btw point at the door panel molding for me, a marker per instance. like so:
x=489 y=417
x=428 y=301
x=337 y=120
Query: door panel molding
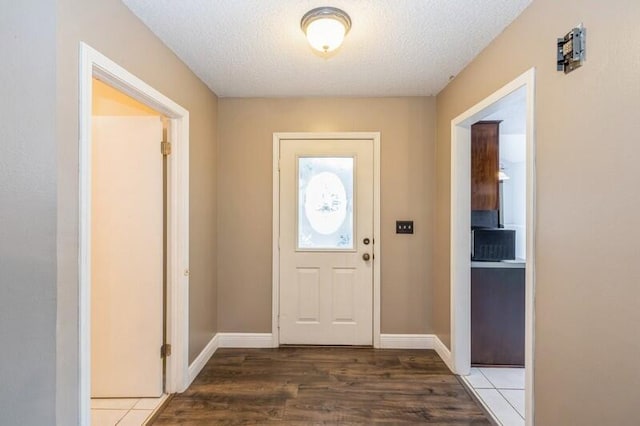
x=374 y=138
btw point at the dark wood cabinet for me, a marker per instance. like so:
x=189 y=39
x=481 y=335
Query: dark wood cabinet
x=497 y=316
x=485 y=158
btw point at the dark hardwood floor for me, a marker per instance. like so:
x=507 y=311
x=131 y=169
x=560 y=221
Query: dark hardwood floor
x=323 y=385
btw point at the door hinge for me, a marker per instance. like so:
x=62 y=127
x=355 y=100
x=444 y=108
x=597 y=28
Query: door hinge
x=165 y=350
x=165 y=148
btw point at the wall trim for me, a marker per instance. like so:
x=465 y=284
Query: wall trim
x=407 y=341
x=201 y=360
x=265 y=340
x=417 y=341
x=226 y=340
x=246 y=340
x=443 y=352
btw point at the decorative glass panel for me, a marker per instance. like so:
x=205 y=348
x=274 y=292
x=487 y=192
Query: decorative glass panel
x=325 y=203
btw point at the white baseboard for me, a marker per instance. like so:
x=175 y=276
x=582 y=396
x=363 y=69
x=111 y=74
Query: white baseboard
x=227 y=340
x=443 y=352
x=417 y=341
x=246 y=340
x=201 y=360
x=265 y=340
x=406 y=341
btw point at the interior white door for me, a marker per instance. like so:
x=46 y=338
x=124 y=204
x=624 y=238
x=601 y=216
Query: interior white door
x=126 y=257
x=326 y=242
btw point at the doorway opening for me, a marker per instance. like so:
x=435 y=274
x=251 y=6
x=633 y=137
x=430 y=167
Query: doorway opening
x=334 y=240
x=95 y=66
x=520 y=89
x=128 y=257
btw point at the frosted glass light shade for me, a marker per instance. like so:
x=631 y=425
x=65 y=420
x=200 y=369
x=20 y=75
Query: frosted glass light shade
x=325 y=35
x=325 y=28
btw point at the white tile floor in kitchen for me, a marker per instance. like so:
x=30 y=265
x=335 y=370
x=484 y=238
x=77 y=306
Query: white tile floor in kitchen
x=501 y=391
x=123 y=411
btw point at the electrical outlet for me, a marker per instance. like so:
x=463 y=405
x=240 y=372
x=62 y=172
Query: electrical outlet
x=404 y=227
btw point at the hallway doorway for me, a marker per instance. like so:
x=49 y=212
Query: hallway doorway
x=127 y=247
x=460 y=267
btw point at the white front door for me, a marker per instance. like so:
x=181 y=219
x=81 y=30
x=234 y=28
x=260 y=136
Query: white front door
x=126 y=257
x=326 y=242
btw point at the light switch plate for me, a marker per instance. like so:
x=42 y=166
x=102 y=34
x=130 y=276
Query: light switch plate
x=404 y=227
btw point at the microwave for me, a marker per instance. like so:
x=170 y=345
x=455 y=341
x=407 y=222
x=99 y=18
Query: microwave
x=493 y=244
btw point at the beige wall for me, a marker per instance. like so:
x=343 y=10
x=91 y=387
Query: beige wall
x=588 y=151
x=109 y=27
x=246 y=128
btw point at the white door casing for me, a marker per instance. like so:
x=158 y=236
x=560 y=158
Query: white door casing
x=127 y=257
x=460 y=266
x=326 y=285
x=93 y=64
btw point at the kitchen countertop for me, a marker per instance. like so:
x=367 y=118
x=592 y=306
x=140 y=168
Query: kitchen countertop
x=518 y=263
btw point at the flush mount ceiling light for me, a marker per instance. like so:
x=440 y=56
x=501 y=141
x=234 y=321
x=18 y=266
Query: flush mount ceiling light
x=325 y=28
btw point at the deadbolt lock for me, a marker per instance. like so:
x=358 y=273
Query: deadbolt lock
x=366 y=241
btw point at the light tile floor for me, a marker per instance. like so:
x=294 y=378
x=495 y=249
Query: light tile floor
x=502 y=392
x=123 y=411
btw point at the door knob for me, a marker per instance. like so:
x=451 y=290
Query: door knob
x=366 y=256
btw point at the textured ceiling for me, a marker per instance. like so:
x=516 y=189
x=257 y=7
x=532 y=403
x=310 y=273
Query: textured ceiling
x=255 y=48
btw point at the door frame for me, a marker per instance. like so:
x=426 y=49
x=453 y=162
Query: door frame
x=374 y=137
x=460 y=265
x=94 y=64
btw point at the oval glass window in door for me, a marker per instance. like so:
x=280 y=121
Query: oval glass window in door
x=325 y=203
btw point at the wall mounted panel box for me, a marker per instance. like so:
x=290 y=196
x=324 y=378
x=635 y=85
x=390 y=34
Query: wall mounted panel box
x=572 y=50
